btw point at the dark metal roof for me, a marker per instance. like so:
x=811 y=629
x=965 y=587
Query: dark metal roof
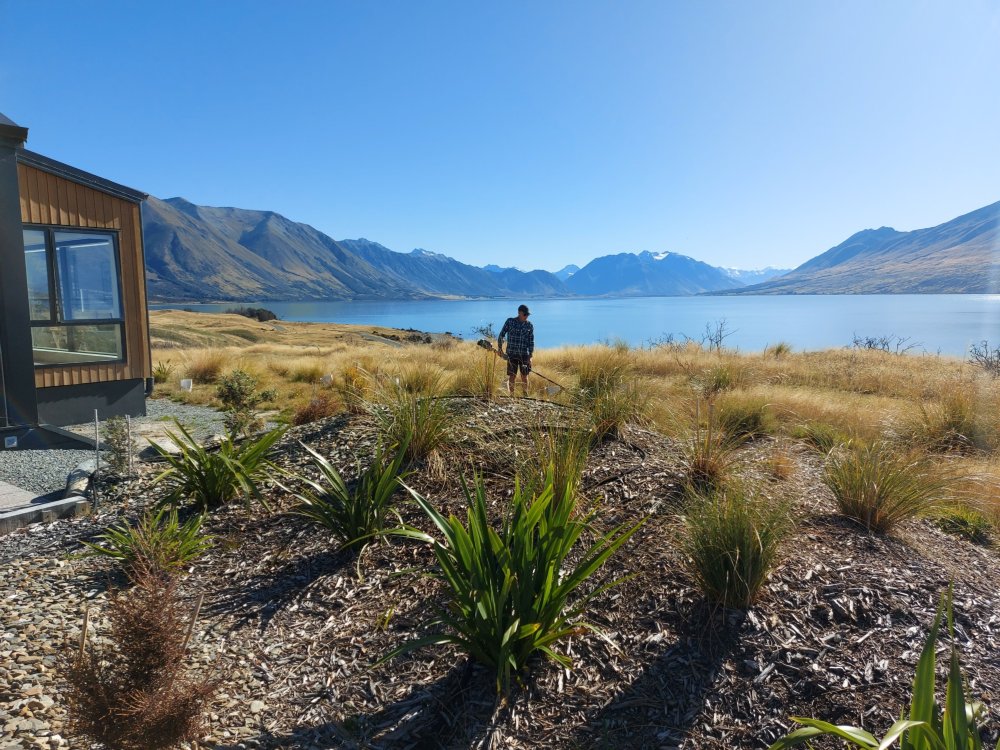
x=73 y=174
x=11 y=130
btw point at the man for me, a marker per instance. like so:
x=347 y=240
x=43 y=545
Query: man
x=520 y=335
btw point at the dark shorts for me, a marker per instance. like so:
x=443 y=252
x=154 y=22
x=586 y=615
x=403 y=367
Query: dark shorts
x=517 y=363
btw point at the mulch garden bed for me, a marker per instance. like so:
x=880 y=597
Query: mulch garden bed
x=297 y=629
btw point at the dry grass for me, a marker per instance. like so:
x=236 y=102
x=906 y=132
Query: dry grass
x=940 y=405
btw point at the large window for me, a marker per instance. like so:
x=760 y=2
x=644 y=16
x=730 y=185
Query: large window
x=74 y=296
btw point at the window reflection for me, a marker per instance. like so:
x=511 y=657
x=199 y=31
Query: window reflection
x=88 y=276
x=37 y=267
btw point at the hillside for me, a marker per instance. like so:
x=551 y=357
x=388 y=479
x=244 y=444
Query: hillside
x=958 y=257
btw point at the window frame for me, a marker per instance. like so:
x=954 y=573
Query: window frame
x=56 y=319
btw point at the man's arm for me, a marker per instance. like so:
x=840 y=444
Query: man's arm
x=531 y=340
x=503 y=333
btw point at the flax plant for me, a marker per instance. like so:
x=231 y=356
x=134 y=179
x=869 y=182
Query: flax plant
x=212 y=478
x=880 y=487
x=930 y=726
x=158 y=539
x=514 y=591
x=357 y=512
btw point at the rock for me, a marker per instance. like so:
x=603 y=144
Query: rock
x=256 y=707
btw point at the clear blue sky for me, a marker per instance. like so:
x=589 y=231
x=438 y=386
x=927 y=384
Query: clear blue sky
x=532 y=134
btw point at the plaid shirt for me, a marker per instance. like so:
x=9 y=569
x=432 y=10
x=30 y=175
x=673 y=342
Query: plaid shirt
x=520 y=338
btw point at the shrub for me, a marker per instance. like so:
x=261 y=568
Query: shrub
x=206 y=366
x=745 y=417
x=880 y=487
x=731 y=541
x=120 y=444
x=509 y=590
x=133 y=692
x=239 y=395
x=211 y=478
x=609 y=393
x=930 y=726
x=357 y=512
x=319 y=407
x=891 y=344
x=260 y=314
x=162 y=371
x=420 y=423
x=982 y=356
x=158 y=540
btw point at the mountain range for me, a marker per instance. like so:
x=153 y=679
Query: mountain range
x=222 y=254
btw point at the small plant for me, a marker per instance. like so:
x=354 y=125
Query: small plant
x=355 y=386
x=133 y=692
x=723 y=376
x=239 y=395
x=420 y=423
x=780 y=463
x=745 y=418
x=982 y=356
x=509 y=590
x=158 y=540
x=319 y=407
x=708 y=453
x=779 y=350
x=609 y=393
x=965 y=522
x=880 y=487
x=162 y=371
x=353 y=513
x=820 y=436
x=206 y=366
x=732 y=541
x=212 y=478
x=561 y=452
x=930 y=726
x=951 y=424
x=309 y=373
x=120 y=444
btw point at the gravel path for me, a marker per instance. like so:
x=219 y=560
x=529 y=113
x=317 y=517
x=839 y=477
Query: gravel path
x=44 y=471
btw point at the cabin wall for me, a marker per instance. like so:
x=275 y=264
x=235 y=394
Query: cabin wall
x=55 y=201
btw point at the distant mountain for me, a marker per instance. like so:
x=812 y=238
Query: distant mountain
x=206 y=253
x=566 y=271
x=648 y=274
x=755 y=276
x=438 y=275
x=959 y=256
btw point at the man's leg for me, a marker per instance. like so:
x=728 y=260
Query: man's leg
x=524 y=382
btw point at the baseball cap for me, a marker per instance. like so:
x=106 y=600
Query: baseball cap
x=524 y=309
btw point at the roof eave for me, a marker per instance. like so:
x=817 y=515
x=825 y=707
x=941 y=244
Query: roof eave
x=44 y=163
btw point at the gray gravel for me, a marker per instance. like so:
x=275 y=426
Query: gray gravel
x=44 y=471
x=40 y=471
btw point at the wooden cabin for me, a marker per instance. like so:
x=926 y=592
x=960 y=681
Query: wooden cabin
x=74 y=333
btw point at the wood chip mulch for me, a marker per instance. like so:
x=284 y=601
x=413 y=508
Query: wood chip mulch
x=296 y=629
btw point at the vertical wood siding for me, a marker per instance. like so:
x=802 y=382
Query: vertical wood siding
x=48 y=199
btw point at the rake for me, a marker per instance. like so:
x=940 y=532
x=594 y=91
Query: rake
x=488 y=345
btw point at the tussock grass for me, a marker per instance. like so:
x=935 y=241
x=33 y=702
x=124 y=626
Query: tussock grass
x=745 y=416
x=708 y=453
x=206 y=366
x=880 y=487
x=732 y=542
x=421 y=424
x=559 y=455
x=953 y=423
x=609 y=391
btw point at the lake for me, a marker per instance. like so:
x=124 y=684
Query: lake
x=945 y=323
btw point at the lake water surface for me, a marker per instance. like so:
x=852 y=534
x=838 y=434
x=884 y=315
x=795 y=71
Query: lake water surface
x=945 y=323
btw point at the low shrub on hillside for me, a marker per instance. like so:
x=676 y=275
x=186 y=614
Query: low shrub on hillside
x=354 y=513
x=514 y=591
x=133 y=691
x=211 y=478
x=260 y=314
x=880 y=487
x=955 y=725
x=158 y=540
x=732 y=542
x=986 y=358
